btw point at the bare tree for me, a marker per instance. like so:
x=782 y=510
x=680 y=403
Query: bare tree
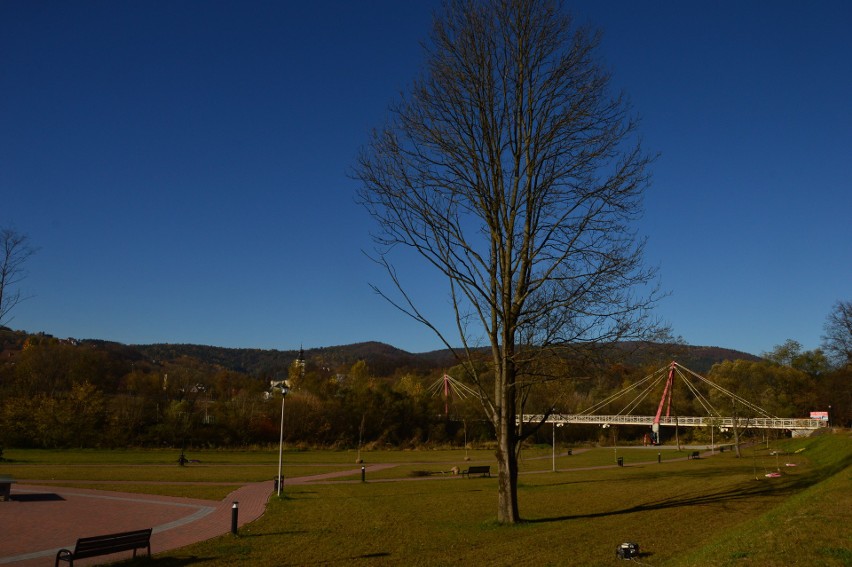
x=16 y=250
x=837 y=340
x=512 y=171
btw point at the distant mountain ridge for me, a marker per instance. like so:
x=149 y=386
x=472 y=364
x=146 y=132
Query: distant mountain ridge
x=381 y=358
x=384 y=359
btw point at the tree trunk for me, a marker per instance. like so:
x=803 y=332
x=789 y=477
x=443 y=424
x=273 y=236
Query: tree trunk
x=507 y=441
x=677 y=433
x=507 y=480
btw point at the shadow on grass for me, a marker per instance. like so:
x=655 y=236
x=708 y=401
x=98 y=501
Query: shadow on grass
x=529 y=486
x=649 y=473
x=165 y=561
x=463 y=490
x=292 y=495
x=714 y=498
x=194 y=560
x=273 y=534
x=746 y=491
x=372 y=555
x=643 y=474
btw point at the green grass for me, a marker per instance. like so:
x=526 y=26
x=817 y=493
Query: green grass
x=681 y=513
x=714 y=511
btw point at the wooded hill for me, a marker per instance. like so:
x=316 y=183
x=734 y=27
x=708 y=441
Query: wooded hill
x=383 y=360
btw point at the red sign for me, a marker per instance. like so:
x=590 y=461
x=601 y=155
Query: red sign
x=823 y=415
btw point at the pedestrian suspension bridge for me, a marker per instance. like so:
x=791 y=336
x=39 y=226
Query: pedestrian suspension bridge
x=749 y=415
x=755 y=417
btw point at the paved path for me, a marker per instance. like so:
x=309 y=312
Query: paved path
x=42 y=519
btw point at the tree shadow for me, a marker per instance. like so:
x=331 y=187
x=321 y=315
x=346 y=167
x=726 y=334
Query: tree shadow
x=274 y=534
x=292 y=495
x=651 y=473
x=372 y=555
x=746 y=491
x=561 y=483
x=165 y=561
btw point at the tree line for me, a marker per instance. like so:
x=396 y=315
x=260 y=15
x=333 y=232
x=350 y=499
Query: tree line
x=64 y=394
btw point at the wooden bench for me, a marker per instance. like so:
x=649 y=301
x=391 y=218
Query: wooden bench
x=105 y=545
x=694 y=455
x=484 y=470
x=6 y=488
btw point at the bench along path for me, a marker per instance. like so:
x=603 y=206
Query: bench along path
x=41 y=519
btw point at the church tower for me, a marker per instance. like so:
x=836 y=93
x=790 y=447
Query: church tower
x=299 y=363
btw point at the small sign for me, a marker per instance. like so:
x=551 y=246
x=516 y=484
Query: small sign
x=823 y=415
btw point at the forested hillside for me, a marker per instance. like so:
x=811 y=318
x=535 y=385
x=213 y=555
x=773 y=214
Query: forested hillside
x=385 y=360
x=88 y=393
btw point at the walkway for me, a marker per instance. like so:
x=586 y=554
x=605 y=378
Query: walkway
x=41 y=519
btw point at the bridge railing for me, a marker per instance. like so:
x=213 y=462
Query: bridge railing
x=684 y=421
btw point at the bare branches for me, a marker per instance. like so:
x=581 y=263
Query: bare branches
x=837 y=340
x=514 y=172
x=511 y=170
x=15 y=250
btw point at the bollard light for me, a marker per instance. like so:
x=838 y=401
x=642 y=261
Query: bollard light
x=235 y=510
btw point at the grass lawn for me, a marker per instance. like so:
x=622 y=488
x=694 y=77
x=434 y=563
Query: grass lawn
x=714 y=511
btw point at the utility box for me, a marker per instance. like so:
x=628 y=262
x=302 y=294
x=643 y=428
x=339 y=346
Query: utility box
x=627 y=550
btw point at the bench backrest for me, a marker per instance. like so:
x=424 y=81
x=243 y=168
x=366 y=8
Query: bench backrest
x=112 y=543
x=479 y=469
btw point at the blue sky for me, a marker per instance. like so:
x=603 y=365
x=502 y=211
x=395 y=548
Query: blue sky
x=182 y=166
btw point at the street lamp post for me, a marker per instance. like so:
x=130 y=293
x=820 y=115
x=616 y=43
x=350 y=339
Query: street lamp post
x=284 y=391
x=555 y=425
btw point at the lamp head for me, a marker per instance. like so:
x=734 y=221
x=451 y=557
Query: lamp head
x=283 y=386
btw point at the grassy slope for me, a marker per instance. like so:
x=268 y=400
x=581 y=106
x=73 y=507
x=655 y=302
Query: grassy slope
x=708 y=512
x=812 y=527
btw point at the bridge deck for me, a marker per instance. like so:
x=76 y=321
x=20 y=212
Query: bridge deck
x=683 y=421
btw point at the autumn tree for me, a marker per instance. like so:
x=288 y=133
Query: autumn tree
x=784 y=354
x=791 y=353
x=15 y=250
x=513 y=171
x=780 y=389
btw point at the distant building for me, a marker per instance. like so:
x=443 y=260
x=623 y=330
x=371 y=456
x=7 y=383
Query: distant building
x=299 y=363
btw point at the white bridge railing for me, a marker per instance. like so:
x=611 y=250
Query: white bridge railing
x=753 y=422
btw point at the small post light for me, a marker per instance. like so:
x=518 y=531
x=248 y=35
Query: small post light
x=235 y=511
